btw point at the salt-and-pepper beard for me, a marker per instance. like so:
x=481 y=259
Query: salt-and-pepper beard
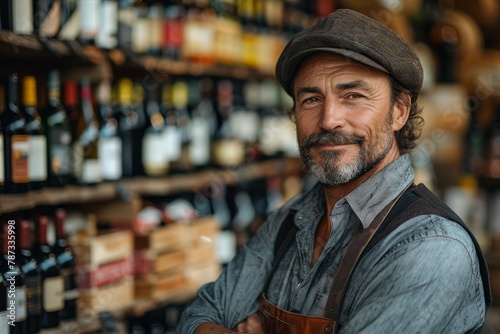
x=328 y=172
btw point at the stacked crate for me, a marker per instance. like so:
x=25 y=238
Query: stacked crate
x=175 y=259
x=104 y=271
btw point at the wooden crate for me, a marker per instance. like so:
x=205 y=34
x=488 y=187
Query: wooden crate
x=101 y=249
x=159 y=287
x=91 y=277
x=199 y=253
x=170 y=237
x=151 y=261
x=111 y=297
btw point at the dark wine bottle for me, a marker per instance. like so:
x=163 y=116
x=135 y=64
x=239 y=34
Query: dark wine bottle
x=2 y=145
x=66 y=260
x=131 y=122
x=52 y=281
x=4 y=321
x=32 y=278
x=16 y=140
x=57 y=130
x=16 y=289
x=153 y=158
x=37 y=164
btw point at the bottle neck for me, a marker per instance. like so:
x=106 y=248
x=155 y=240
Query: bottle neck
x=25 y=234
x=43 y=223
x=60 y=217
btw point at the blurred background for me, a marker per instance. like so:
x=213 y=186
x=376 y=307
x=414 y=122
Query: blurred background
x=144 y=141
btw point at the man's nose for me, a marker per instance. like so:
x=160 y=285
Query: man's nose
x=332 y=115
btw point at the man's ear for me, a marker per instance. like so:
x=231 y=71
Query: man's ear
x=401 y=112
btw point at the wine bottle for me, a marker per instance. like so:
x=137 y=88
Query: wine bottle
x=153 y=154
x=6 y=15
x=110 y=143
x=70 y=21
x=37 y=163
x=180 y=98
x=52 y=281
x=2 y=153
x=203 y=126
x=173 y=27
x=32 y=278
x=131 y=122
x=47 y=17
x=107 y=35
x=16 y=289
x=86 y=167
x=172 y=136
x=57 y=131
x=89 y=11
x=4 y=321
x=16 y=141
x=126 y=21
x=66 y=260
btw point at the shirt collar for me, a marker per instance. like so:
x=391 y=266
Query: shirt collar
x=368 y=199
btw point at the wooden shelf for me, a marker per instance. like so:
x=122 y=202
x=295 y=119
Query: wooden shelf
x=167 y=185
x=32 y=50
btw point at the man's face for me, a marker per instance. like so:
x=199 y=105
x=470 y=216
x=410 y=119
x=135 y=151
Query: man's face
x=343 y=113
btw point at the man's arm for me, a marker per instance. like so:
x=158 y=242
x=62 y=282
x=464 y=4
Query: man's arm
x=233 y=297
x=252 y=325
x=208 y=328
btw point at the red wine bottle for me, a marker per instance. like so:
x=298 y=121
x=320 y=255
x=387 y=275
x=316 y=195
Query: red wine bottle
x=4 y=324
x=52 y=281
x=32 y=278
x=66 y=260
x=16 y=289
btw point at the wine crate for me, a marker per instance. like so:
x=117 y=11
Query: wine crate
x=91 y=277
x=170 y=237
x=101 y=249
x=111 y=297
x=199 y=253
x=160 y=286
x=151 y=261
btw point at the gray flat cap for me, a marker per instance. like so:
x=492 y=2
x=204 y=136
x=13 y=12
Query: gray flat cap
x=356 y=36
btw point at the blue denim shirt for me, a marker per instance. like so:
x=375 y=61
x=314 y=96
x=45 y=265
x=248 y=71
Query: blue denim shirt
x=422 y=278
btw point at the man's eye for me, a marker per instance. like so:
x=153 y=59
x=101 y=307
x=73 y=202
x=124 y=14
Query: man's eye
x=355 y=96
x=311 y=100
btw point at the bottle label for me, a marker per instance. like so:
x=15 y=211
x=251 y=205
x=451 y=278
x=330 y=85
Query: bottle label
x=199 y=150
x=108 y=25
x=59 y=141
x=53 y=292
x=22 y=15
x=91 y=171
x=2 y=171
x=89 y=14
x=18 y=299
x=70 y=290
x=153 y=152
x=33 y=294
x=172 y=143
x=110 y=157
x=19 y=158
x=4 y=324
x=37 y=164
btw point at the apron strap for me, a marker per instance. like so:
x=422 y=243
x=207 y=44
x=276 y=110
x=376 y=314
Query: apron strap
x=350 y=258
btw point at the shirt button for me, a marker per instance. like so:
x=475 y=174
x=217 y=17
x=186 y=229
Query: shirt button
x=328 y=329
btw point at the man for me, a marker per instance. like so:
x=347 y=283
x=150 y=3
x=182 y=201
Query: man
x=407 y=263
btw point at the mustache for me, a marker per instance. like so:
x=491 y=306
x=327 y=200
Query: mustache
x=332 y=138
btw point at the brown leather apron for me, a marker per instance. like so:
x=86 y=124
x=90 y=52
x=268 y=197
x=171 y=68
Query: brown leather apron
x=278 y=321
